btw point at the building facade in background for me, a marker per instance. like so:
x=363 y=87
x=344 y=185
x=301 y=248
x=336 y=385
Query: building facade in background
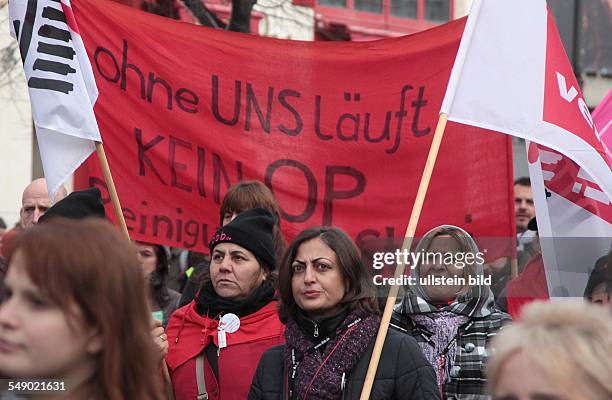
x=16 y=146
x=377 y=19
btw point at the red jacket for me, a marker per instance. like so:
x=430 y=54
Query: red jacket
x=189 y=333
x=529 y=286
x=8 y=236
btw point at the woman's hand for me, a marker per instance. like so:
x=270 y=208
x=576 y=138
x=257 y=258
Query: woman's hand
x=160 y=338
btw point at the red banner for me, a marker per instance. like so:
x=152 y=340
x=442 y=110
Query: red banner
x=339 y=131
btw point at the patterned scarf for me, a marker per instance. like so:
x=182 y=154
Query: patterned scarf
x=477 y=302
x=443 y=326
x=443 y=322
x=338 y=357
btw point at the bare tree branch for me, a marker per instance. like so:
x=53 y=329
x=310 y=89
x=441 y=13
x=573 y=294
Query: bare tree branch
x=240 y=20
x=202 y=14
x=9 y=57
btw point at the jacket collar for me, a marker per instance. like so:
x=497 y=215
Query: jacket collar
x=319 y=329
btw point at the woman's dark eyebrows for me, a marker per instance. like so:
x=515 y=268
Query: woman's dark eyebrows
x=314 y=260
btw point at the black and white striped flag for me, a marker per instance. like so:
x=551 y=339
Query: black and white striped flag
x=61 y=84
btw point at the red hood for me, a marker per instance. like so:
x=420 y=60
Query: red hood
x=189 y=333
x=530 y=285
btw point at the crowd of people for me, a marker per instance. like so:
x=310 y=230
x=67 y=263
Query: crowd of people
x=94 y=314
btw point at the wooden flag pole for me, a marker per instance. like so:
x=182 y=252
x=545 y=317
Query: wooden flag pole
x=514 y=268
x=399 y=271
x=108 y=178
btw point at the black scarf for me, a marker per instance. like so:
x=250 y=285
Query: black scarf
x=210 y=303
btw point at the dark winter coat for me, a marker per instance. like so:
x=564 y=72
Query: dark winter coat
x=171 y=306
x=403 y=373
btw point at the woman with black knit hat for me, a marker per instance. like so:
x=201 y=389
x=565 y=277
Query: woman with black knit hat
x=216 y=340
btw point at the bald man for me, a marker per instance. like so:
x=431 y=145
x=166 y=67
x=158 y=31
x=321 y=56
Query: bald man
x=35 y=202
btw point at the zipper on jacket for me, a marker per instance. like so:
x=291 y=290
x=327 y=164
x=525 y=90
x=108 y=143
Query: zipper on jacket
x=316 y=330
x=343 y=386
x=286 y=385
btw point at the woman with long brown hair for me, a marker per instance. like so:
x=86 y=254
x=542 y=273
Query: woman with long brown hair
x=77 y=312
x=329 y=305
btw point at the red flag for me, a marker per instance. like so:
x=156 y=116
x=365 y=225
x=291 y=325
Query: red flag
x=339 y=131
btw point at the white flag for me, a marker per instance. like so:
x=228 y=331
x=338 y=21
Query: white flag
x=60 y=82
x=574 y=220
x=512 y=75
x=574 y=216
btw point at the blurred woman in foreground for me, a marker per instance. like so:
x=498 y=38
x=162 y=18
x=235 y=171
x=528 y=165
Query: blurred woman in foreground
x=77 y=312
x=558 y=351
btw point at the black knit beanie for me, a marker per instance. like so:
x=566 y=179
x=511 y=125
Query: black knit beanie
x=77 y=205
x=251 y=229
